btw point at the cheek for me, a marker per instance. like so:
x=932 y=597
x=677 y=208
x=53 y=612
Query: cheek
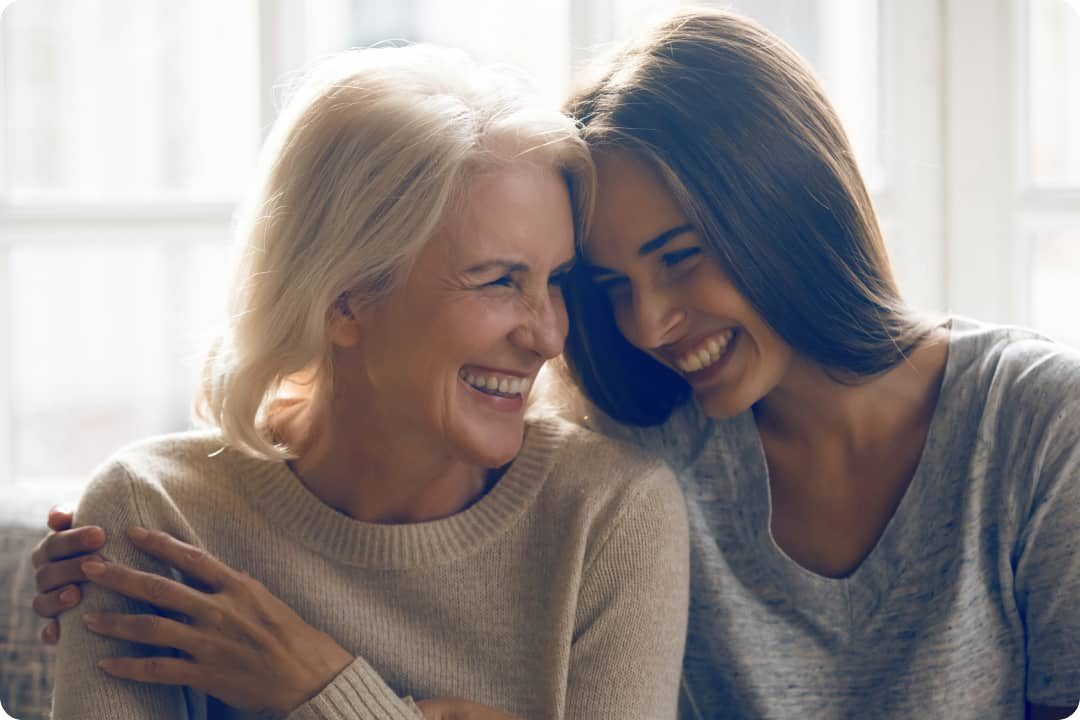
x=624 y=320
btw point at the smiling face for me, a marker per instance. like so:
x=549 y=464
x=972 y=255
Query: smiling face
x=670 y=296
x=449 y=355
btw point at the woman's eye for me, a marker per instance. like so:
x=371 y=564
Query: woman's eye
x=614 y=288
x=504 y=281
x=671 y=259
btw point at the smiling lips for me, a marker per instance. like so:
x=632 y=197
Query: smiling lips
x=497 y=384
x=707 y=352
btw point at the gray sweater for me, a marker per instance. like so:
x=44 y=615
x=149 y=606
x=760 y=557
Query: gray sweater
x=968 y=606
x=562 y=593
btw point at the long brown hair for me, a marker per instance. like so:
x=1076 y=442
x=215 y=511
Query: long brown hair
x=738 y=127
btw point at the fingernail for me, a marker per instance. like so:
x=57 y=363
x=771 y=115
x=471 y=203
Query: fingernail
x=106 y=665
x=49 y=634
x=90 y=618
x=137 y=533
x=93 y=568
x=68 y=595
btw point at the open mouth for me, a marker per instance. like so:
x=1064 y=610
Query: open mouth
x=708 y=353
x=496 y=385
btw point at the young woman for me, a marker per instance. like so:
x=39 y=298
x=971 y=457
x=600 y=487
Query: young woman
x=405 y=532
x=884 y=507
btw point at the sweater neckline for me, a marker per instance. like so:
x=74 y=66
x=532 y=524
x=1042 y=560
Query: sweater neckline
x=887 y=560
x=291 y=507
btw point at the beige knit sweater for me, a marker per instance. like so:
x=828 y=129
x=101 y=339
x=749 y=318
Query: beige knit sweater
x=562 y=593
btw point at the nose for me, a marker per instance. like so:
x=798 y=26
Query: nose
x=544 y=329
x=654 y=319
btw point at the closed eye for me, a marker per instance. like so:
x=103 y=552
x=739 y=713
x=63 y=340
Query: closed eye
x=670 y=259
x=504 y=281
x=613 y=285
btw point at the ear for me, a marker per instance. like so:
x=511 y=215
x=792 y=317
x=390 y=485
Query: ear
x=343 y=328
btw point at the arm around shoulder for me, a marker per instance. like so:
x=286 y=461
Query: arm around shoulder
x=81 y=689
x=630 y=629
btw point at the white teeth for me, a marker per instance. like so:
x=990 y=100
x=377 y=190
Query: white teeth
x=501 y=384
x=707 y=354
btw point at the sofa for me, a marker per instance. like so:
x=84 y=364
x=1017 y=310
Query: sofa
x=26 y=664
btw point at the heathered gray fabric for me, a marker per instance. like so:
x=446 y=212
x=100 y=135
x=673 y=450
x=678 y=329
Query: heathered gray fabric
x=969 y=603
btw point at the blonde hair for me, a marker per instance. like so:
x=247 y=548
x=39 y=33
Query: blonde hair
x=372 y=151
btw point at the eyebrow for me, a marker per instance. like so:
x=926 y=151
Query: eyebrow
x=648 y=247
x=513 y=266
x=663 y=239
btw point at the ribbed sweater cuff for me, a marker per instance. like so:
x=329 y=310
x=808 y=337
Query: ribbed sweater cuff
x=357 y=693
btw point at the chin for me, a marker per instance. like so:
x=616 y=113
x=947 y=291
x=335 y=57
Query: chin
x=493 y=447
x=720 y=405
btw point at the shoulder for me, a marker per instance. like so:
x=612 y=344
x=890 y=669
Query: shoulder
x=159 y=472
x=1015 y=371
x=599 y=462
x=1019 y=392
x=999 y=354
x=602 y=481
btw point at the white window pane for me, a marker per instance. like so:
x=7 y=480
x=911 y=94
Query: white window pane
x=839 y=38
x=130 y=99
x=1054 y=91
x=1055 y=290
x=106 y=341
x=534 y=37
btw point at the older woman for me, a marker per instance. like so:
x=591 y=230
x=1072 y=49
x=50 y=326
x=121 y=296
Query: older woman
x=402 y=529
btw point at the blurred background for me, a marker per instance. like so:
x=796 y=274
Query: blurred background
x=129 y=129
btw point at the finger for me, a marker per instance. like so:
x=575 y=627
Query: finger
x=158 y=670
x=147 y=630
x=49 y=605
x=59 y=518
x=155 y=589
x=192 y=561
x=68 y=543
x=53 y=575
x=50 y=634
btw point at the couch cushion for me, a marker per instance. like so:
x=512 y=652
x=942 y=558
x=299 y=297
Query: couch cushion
x=25 y=663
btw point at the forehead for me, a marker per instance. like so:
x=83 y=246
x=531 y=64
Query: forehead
x=633 y=206
x=520 y=208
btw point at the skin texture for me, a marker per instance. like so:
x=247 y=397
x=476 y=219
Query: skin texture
x=483 y=297
x=403 y=438
x=243 y=645
x=665 y=302
x=670 y=299
x=822 y=438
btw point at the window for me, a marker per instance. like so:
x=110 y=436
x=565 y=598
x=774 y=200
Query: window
x=129 y=129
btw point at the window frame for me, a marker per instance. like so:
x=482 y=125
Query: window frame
x=944 y=107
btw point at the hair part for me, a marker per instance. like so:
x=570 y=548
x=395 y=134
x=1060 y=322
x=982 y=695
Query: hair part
x=740 y=131
x=374 y=148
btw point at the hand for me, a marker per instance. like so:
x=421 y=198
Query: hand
x=58 y=562
x=458 y=709
x=242 y=645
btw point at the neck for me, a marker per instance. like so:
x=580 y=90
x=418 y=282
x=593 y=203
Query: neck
x=811 y=408
x=367 y=471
